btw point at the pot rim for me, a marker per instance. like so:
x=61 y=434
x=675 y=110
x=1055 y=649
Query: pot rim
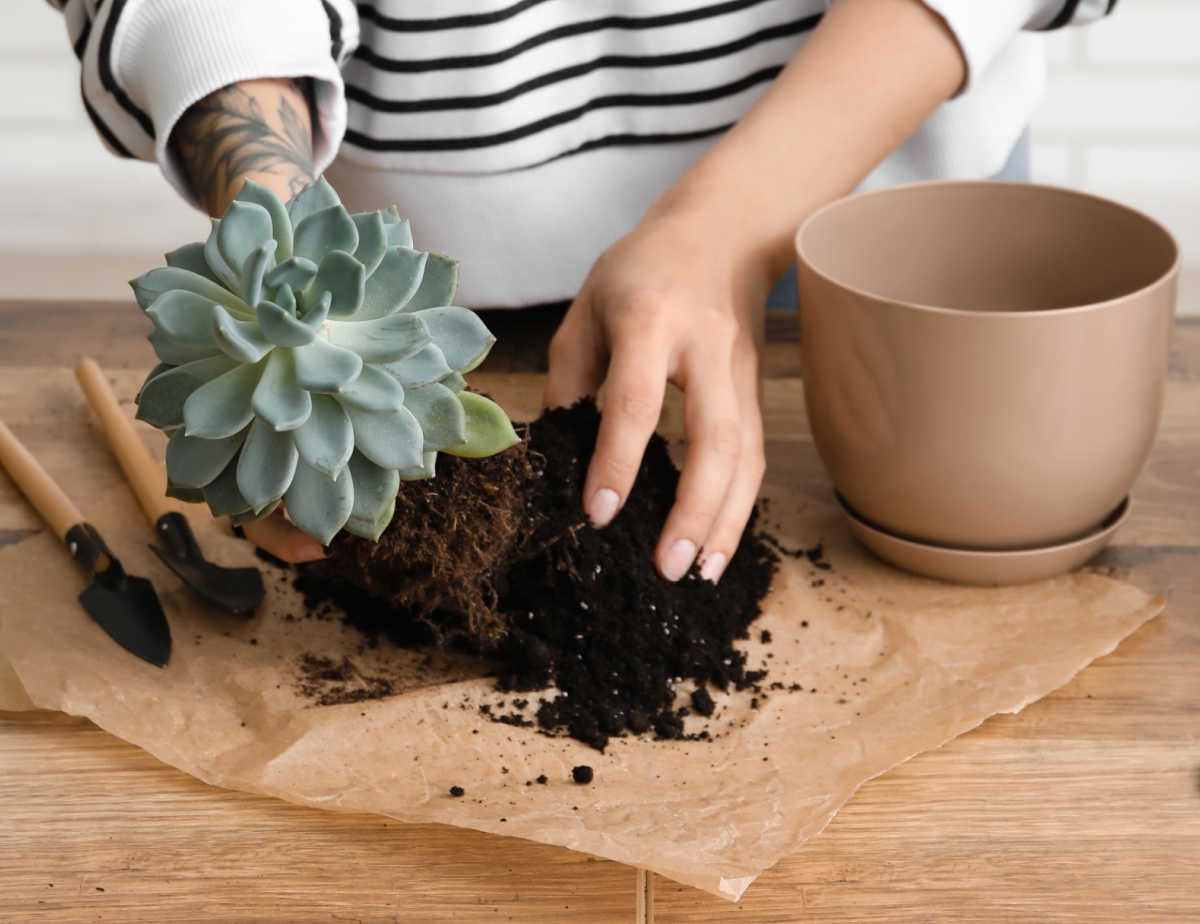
x=1171 y=271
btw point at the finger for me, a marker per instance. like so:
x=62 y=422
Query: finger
x=276 y=535
x=726 y=531
x=714 y=433
x=576 y=358
x=633 y=397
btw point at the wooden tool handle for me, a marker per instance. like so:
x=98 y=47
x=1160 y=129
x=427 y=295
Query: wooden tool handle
x=46 y=496
x=145 y=476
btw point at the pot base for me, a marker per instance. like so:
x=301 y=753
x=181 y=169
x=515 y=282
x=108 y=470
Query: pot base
x=974 y=566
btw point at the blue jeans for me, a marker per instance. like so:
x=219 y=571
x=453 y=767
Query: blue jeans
x=1016 y=168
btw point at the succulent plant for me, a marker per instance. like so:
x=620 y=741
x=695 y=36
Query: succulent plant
x=311 y=357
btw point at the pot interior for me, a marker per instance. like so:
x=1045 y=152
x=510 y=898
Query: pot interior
x=986 y=246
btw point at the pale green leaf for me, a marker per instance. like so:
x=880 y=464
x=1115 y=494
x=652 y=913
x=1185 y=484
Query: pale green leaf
x=389 y=440
x=372 y=240
x=193 y=462
x=374 y=497
x=221 y=408
x=244 y=228
x=184 y=317
x=440 y=414
x=384 y=340
x=161 y=399
x=317 y=505
x=315 y=197
x=257 y=265
x=331 y=229
x=266 y=464
x=426 y=365
x=374 y=390
x=241 y=340
x=326 y=439
x=393 y=283
x=176 y=353
x=342 y=277
x=325 y=367
x=281 y=224
x=278 y=398
x=439 y=283
x=222 y=494
x=460 y=334
x=489 y=430
x=190 y=257
x=294 y=271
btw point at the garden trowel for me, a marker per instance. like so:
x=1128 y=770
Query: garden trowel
x=124 y=606
x=237 y=590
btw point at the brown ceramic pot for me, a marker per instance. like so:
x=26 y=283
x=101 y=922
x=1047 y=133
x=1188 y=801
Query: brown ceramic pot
x=984 y=362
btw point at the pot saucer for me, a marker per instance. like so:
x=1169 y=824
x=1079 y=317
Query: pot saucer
x=976 y=566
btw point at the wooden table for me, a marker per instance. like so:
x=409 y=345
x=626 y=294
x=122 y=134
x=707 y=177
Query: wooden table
x=1084 y=807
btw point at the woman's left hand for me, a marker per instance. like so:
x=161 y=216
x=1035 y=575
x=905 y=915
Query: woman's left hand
x=669 y=303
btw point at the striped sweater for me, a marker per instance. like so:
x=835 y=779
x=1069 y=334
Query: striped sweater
x=524 y=136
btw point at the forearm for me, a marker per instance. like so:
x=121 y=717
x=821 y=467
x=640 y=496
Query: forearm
x=869 y=75
x=256 y=129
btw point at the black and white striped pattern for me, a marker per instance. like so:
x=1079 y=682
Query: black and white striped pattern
x=492 y=85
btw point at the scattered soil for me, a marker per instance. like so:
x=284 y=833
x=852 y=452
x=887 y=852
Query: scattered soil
x=582 y=774
x=582 y=613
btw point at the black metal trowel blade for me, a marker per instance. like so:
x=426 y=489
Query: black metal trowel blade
x=123 y=605
x=238 y=590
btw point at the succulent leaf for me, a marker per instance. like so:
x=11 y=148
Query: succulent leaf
x=374 y=390
x=212 y=256
x=222 y=494
x=330 y=229
x=221 y=407
x=489 y=430
x=440 y=414
x=160 y=402
x=313 y=198
x=257 y=265
x=392 y=284
x=281 y=224
x=426 y=365
x=240 y=340
x=454 y=382
x=318 y=505
x=278 y=398
x=372 y=240
x=193 y=462
x=266 y=464
x=389 y=440
x=375 y=491
x=191 y=257
x=281 y=327
x=326 y=439
x=249 y=516
x=324 y=367
x=399 y=232
x=187 y=495
x=384 y=340
x=342 y=277
x=286 y=299
x=439 y=283
x=184 y=316
x=149 y=286
x=296 y=272
x=419 y=472
x=461 y=335
x=244 y=228
x=176 y=352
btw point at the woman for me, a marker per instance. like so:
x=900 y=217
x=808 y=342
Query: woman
x=647 y=159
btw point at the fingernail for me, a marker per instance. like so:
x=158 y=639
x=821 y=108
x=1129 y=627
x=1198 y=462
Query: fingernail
x=678 y=559
x=603 y=507
x=713 y=567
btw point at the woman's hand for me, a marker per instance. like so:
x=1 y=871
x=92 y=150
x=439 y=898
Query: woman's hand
x=670 y=303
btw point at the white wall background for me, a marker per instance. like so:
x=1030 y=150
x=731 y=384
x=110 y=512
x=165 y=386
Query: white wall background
x=1121 y=118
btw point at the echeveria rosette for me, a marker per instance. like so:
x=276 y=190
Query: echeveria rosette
x=311 y=357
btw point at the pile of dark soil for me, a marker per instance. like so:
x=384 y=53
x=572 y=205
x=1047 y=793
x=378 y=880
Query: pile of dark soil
x=583 y=610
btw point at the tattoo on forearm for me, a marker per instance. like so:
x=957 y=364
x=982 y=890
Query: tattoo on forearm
x=227 y=135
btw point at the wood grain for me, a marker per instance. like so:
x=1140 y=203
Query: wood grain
x=1084 y=807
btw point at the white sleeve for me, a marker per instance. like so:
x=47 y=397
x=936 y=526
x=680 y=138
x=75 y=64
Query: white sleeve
x=983 y=28
x=144 y=62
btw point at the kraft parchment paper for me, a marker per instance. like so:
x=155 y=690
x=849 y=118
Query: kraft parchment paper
x=899 y=665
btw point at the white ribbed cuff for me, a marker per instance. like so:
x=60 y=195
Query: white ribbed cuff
x=168 y=54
